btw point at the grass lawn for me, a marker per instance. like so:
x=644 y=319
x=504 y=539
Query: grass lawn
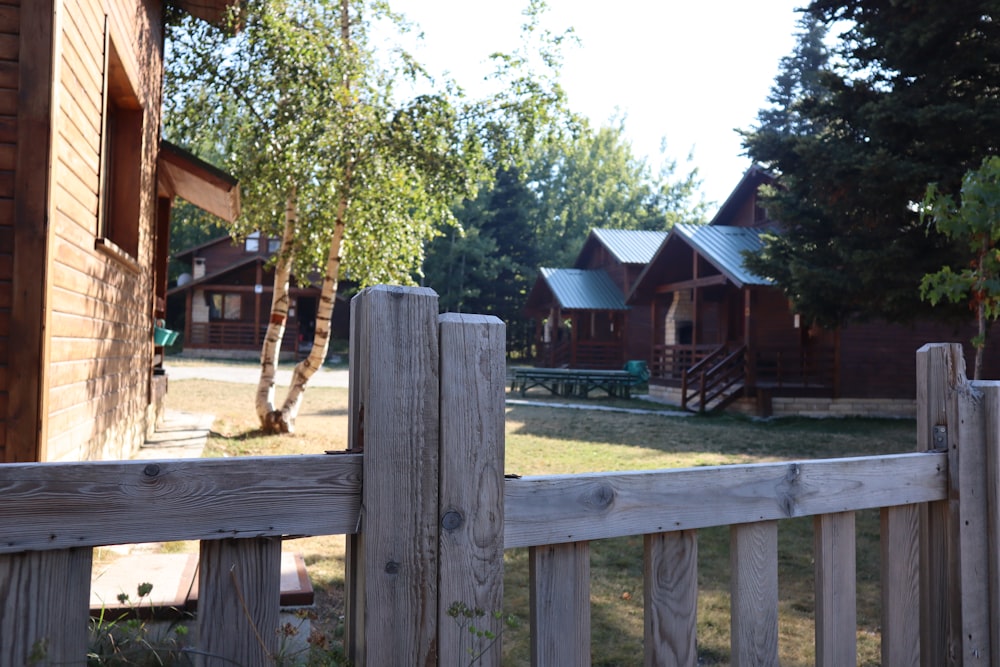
x=544 y=440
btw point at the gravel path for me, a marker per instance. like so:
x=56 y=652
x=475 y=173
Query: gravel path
x=249 y=374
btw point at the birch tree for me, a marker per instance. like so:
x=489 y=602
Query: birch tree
x=353 y=181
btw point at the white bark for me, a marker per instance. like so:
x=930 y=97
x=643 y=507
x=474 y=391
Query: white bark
x=270 y=418
x=321 y=338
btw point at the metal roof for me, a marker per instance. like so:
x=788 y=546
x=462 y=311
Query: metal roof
x=630 y=246
x=724 y=246
x=581 y=289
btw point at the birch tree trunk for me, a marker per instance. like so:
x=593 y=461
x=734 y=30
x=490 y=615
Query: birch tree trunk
x=321 y=338
x=270 y=419
x=977 y=372
x=328 y=293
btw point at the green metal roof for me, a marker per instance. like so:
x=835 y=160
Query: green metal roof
x=630 y=246
x=580 y=289
x=724 y=247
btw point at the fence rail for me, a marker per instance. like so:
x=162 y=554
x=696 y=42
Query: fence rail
x=426 y=434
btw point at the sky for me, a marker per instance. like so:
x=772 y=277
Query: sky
x=683 y=74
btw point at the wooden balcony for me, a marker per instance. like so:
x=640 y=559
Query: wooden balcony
x=226 y=335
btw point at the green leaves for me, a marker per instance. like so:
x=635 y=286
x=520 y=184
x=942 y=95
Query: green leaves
x=974 y=225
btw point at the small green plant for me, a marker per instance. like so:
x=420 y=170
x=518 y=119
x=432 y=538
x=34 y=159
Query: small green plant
x=128 y=639
x=320 y=650
x=470 y=621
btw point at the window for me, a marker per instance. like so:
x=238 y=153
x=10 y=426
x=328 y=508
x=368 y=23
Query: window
x=121 y=163
x=252 y=244
x=273 y=246
x=224 y=306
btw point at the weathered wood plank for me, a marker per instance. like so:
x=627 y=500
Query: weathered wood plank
x=939 y=367
x=394 y=559
x=836 y=590
x=900 y=546
x=559 y=577
x=991 y=404
x=46 y=598
x=32 y=127
x=967 y=463
x=239 y=589
x=473 y=375
x=753 y=558
x=670 y=598
x=48 y=507
x=568 y=508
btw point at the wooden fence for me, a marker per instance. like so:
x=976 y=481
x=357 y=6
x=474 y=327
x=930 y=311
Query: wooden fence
x=430 y=523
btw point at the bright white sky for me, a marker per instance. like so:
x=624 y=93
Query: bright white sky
x=681 y=71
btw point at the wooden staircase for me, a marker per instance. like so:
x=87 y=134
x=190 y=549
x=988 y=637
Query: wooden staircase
x=715 y=381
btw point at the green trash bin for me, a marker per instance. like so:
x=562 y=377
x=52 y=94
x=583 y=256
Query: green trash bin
x=638 y=369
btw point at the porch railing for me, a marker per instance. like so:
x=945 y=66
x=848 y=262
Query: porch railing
x=237 y=335
x=430 y=439
x=669 y=362
x=777 y=368
x=715 y=380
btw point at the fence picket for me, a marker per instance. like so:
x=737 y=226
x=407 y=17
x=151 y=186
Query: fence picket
x=670 y=598
x=937 y=366
x=836 y=595
x=239 y=589
x=46 y=597
x=753 y=557
x=560 y=604
x=392 y=564
x=967 y=465
x=473 y=376
x=991 y=405
x=900 y=546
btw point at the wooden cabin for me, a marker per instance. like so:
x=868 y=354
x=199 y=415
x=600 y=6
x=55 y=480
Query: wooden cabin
x=226 y=296
x=722 y=335
x=581 y=318
x=85 y=194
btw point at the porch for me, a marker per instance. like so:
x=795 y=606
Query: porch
x=710 y=377
x=236 y=335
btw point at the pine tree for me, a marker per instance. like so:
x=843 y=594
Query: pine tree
x=909 y=99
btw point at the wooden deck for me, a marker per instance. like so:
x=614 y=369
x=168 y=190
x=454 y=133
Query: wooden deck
x=574 y=381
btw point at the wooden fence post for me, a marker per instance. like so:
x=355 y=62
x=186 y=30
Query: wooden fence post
x=836 y=590
x=955 y=567
x=473 y=379
x=936 y=368
x=670 y=598
x=753 y=556
x=560 y=604
x=46 y=598
x=392 y=563
x=239 y=591
x=991 y=402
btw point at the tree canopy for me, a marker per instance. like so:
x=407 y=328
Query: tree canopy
x=906 y=97
x=540 y=212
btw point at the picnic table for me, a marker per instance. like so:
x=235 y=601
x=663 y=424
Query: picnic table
x=574 y=381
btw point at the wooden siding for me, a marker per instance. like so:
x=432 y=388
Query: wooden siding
x=878 y=359
x=99 y=308
x=25 y=91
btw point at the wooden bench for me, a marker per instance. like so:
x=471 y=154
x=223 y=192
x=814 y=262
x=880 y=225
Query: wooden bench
x=573 y=381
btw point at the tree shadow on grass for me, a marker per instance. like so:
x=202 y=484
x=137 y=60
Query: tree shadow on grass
x=780 y=438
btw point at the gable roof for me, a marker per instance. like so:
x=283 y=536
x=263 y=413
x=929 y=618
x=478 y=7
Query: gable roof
x=581 y=289
x=723 y=247
x=751 y=180
x=628 y=246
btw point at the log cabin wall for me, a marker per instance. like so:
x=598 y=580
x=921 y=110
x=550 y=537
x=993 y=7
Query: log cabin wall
x=105 y=130
x=10 y=74
x=876 y=356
